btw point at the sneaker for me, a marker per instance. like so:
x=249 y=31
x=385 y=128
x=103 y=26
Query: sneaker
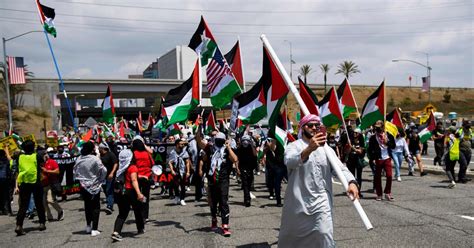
x=389 y=197
x=141 y=231
x=424 y=173
x=252 y=196
x=225 y=230
x=452 y=185
x=271 y=197
x=182 y=202
x=378 y=198
x=108 y=211
x=42 y=227
x=279 y=205
x=410 y=173
x=176 y=200
x=234 y=177
x=19 y=231
x=61 y=215
x=88 y=229
x=247 y=204
x=258 y=174
x=188 y=188
x=214 y=225
x=95 y=233
x=115 y=236
x=399 y=179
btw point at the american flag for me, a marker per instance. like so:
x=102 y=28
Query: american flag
x=16 y=70
x=216 y=70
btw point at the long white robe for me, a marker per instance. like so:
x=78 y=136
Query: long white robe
x=307 y=220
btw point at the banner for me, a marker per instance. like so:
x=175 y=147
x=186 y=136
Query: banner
x=10 y=143
x=66 y=176
x=234 y=115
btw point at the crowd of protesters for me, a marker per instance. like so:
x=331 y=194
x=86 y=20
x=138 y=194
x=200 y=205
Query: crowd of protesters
x=208 y=162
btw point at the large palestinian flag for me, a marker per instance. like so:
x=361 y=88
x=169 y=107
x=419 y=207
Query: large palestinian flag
x=221 y=83
x=275 y=89
x=309 y=98
x=374 y=108
x=47 y=15
x=234 y=59
x=330 y=112
x=181 y=100
x=425 y=130
x=108 y=109
x=346 y=99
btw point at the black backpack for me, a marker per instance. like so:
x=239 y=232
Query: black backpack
x=119 y=184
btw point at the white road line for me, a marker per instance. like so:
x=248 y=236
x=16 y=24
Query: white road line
x=466 y=217
x=431 y=159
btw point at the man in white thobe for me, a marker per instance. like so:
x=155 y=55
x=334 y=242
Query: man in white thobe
x=307 y=218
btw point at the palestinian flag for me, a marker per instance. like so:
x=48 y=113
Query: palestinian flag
x=47 y=15
x=203 y=42
x=346 y=99
x=394 y=117
x=374 y=108
x=108 y=109
x=252 y=105
x=86 y=137
x=183 y=99
x=140 y=122
x=425 y=130
x=281 y=136
x=309 y=98
x=330 y=112
x=234 y=59
x=210 y=123
x=274 y=87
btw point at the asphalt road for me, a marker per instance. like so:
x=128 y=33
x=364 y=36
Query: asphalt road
x=425 y=213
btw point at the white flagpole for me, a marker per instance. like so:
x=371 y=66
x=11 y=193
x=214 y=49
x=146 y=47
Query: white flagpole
x=353 y=98
x=336 y=164
x=241 y=64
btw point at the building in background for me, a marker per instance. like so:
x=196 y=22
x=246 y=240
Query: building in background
x=151 y=71
x=177 y=63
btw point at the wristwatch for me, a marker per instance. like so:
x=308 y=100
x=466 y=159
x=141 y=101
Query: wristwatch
x=354 y=182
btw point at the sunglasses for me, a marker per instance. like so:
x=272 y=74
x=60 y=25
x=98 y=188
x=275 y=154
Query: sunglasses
x=311 y=125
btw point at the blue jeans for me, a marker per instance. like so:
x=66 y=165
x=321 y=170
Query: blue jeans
x=397 y=162
x=109 y=193
x=31 y=205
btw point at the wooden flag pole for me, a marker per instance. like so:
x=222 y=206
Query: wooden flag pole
x=336 y=164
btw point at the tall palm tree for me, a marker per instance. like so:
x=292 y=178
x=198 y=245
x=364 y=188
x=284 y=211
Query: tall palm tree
x=325 y=69
x=347 y=68
x=305 y=70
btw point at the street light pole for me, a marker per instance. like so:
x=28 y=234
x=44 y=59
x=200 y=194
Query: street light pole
x=428 y=68
x=7 y=87
x=7 y=79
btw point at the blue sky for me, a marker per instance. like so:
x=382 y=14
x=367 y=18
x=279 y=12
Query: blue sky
x=114 y=38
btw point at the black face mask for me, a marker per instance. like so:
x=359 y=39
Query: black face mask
x=378 y=129
x=219 y=142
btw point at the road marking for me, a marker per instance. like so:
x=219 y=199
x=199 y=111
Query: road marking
x=431 y=159
x=466 y=217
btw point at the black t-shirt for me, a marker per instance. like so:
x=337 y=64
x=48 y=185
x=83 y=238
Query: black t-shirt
x=273 y=160
x=108 y=160
x=440 y=134
x=247 y=160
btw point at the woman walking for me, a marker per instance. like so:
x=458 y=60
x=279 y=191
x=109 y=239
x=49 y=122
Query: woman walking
x=401 y=148
x=51 y=182
x=91 y=173
x=144 y=162
x=130 y=195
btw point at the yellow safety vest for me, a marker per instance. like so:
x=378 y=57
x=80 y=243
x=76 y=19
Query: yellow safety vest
x=27 y=168
x=454 y=150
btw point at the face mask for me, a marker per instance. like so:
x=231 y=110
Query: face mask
x=219 y=142
x=378 y=129
x=245 y=143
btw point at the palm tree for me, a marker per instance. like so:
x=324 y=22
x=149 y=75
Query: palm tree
x=305 y=70
x=325 y=69
x=347 y=68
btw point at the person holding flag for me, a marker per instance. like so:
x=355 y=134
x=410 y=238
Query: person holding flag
x=222 y=157
x=307 y=214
